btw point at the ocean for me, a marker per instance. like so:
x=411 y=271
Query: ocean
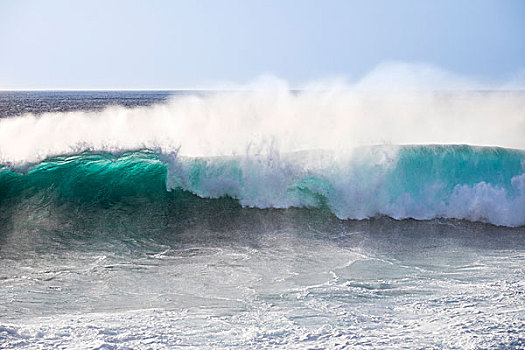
x=262 y=219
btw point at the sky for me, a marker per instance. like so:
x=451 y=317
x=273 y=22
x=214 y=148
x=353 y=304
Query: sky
x=163 y=44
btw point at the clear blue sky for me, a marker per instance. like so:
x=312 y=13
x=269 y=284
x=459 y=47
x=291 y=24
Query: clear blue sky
x=187 y=44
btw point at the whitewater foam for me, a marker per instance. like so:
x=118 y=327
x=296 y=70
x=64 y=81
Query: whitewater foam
x=424 y=182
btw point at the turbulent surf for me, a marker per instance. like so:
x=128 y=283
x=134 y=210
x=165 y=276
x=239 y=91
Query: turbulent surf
x=327 y=218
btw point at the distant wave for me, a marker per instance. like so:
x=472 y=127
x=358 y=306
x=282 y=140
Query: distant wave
x=484 y=184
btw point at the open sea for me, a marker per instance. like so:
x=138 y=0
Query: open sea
x=255 y=220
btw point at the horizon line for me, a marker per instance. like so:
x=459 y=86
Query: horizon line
x=487 y=89
x=109 y=89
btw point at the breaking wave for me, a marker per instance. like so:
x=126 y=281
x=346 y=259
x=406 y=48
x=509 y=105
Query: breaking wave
x=439 y=154
x=484 y=184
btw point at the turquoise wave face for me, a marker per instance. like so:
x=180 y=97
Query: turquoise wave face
x=453 y=165
x=89 y=178
x=422 y=182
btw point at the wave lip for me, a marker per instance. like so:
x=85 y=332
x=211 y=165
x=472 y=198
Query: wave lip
x=484 y=184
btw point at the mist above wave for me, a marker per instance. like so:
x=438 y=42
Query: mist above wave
x=400 y=104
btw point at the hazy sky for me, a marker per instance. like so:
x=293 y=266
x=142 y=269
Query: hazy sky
x=190 y=44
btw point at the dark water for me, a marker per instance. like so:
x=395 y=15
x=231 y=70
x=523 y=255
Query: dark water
x=20 y=102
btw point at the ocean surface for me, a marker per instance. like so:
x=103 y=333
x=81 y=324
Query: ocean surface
x=262 y=219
